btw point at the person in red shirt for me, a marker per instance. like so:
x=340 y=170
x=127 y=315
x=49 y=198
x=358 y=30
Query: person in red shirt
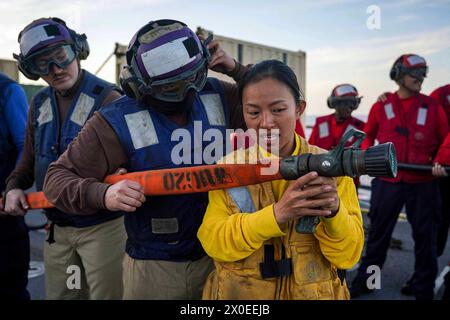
x=442 y=95
x=328 y=130
x=416 y=124
x=299 y=128
x=443 y=158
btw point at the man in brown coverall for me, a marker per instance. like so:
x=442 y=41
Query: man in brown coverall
x=164 y=258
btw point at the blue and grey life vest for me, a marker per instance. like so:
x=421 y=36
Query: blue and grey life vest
x=51 y=137
x=8 y=152
x=165 y=227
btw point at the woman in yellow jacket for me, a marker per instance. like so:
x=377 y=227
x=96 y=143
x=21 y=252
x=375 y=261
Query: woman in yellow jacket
x=250 y=231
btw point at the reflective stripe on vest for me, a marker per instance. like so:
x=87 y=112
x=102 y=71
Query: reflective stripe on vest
x=82 y=109
x=389 y=110
x=141 y=128
x=269 y=268
x=413 y=132
x=45 y=112
x=165 y=227
x=422 y=116
x=52 y=136
x=324 y=130
x=241 y=197
x=214 y=109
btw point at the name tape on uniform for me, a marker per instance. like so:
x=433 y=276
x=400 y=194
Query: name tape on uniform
x=389 y=110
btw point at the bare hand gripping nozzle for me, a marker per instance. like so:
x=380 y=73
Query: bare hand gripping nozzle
x=376 y=161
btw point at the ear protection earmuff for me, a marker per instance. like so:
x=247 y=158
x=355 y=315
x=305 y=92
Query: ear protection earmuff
x=329 y=104
x=130 y=83
x=396 y=70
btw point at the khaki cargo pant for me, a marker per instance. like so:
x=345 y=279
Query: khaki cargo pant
x=164 y=280
x=95 y=253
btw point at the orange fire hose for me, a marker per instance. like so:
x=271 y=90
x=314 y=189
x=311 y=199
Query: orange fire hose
x=185 y=180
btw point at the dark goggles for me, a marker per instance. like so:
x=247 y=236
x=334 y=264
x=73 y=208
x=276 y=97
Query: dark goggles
x=347 y=102
x=40 y=62
x=175 y=89
x=417 y=73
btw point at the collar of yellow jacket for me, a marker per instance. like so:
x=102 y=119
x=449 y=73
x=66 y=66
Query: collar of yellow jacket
x=300 y=147
x=255 y=153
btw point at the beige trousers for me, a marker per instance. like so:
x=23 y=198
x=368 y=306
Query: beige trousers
x=85 y=263
x=164 y=280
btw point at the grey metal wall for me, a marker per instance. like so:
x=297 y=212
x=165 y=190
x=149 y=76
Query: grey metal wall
x=251 y=53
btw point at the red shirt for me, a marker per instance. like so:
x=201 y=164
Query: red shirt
x=443 y=156
x=416 y=125
x=299 y=129
x=442 y=96
x=327 y=132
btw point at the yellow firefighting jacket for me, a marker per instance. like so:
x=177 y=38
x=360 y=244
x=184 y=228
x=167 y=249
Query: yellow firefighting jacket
x=255 y=258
